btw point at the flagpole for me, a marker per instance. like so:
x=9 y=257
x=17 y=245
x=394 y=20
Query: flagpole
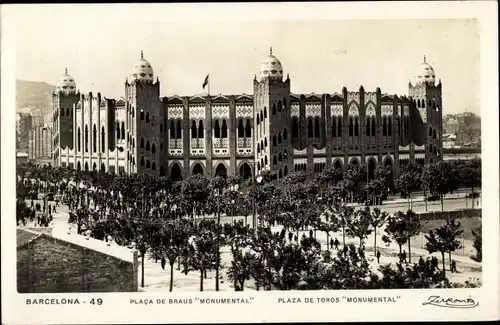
x=208 y=85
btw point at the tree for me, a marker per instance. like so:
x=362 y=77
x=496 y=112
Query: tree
x=354 y=181
x=409 y=181
x=377 y=188
x=239 y=237
x=378 y=219
x=359 y=224
x=413 y=226
x=416 y=276
x=454 y=233
x=171 y=241
x=470 y=176
x=478 y=244
x=440 y=178
x=345 y=215
x=396 y=230
x=201 y=253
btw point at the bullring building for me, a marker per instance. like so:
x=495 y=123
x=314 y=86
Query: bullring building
x=244 y=134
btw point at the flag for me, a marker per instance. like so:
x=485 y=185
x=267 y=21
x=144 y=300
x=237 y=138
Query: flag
x=205 y=82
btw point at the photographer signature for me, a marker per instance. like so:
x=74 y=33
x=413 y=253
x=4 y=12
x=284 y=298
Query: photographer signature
x=446 y=302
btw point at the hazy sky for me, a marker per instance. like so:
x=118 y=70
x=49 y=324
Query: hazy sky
x=320 y=56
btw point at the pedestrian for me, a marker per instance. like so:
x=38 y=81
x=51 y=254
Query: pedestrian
x=54 y=208
x=295 y=238
x=32 y=203
x=311 y=233
x=453 y=266
x=378 y=256
x=290 y=236
x=331 y=242
x=403 y=256
x=336 y=244
x=163 y=262
x=421 y=261
x=49 y=209
x=345 y=251
x=303 y=237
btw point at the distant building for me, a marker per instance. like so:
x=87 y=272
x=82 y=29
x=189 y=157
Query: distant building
x=240 y=134
x=40 y=139
x=23 y=128
x=72 y=263
x=21 y=158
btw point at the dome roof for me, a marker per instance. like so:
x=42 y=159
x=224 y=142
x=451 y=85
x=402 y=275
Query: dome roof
x=271 y=67
x=142 y=70
x=66 y=84
x=426 y=73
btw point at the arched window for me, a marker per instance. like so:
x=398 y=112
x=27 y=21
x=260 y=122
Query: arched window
x=265 y=160
x=224 y=129
x=274 y=109
x=374 y=128
x=133 y=142
x=172 y=130
x=423 y=103
x=279 y=138
x=161 y=145
x=153 y=149
x=123 y=130
x=153 y=166
x=258 y=165
x=179 y=129
x=430 y=132
x=285 y=135
x=280 y=157
x=194 y=130
x=265 y=112
x=418 y=102
x=217 y=129
x=262 y=145
x=86 y=138
x=147 y=117
x=285 y=155
x=367 y=126
x=142 y=118
x=279 y=106
x=434 y=134
x=339 y=128
x=103 y=140
x=241 y=129
x=295 y=127
x=356 y=127
x=261 y=116
x=200 y=130
x=310 y=131
x=248 y=129
x=275 y=161
x=142 y=143
x=334 y=127
x=316 y=127
x=79 y=139
x=62 y=112
x=147 y=145
x=350 y=127
x=118 y=131
x=274 y=140
x=389 y=126
x=285 y=171
x=384 y=127
x=148 y=164
x=265 y=142
x=258 y=148
x=258 y=119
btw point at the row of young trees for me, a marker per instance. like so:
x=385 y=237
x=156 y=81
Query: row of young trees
x=168 y=220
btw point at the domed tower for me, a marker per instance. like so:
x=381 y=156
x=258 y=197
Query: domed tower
x=427 y=101
x=273 y=150
x=65 y=95
x=142 y=118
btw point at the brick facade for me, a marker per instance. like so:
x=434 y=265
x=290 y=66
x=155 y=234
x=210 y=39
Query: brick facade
x=47 y=265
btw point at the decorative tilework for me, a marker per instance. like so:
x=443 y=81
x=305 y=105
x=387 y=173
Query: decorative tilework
x=386 y=110
x=175 y=111
x=197 y=112
x=353 y=110
x=353 y=96
x=313 y=110
x=369 y=96
x=295 y=110
x=337 y=109
x=220 y=111
x=370 y=110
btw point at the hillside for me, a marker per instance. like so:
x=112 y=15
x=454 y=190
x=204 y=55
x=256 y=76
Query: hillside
x=34 y=96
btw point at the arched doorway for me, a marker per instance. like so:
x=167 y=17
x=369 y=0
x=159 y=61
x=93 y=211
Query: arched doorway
x=94 y=167
x=103 y=167
x=162 y=171
x=78 y=166
x=353 y=163
x=221 y=171
x=337 y=165
x=245 y=171
x=176 y=173
x=371 y=168
x=86 y=166
x=280 y=174
x=285 y=172
x=198 y=169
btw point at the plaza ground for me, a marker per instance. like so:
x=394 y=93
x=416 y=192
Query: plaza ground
x=157 y=279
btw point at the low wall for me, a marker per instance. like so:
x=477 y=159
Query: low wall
x=455 y=214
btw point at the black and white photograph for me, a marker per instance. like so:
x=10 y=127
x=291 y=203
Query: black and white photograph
x=183 y=157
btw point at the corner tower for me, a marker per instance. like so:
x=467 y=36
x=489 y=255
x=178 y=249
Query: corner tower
x=273 y=150
x=142 y=119
x=427 y=101
x=64 y=97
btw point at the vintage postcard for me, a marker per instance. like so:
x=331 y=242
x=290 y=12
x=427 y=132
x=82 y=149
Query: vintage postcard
x=257 y=162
